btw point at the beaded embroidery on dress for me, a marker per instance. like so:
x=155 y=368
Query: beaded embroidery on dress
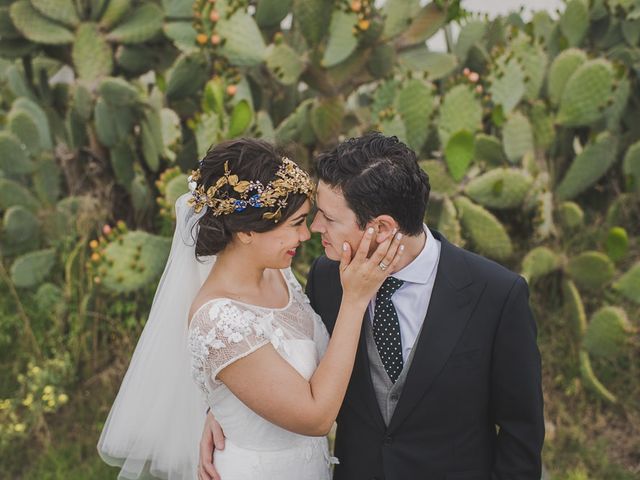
x=223 y=331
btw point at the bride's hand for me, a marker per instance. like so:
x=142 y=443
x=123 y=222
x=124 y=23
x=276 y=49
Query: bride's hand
x=361 y=277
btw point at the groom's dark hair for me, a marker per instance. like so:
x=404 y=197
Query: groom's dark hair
x=378 y=175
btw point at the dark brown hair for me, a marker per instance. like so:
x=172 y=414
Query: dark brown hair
x=249 y=159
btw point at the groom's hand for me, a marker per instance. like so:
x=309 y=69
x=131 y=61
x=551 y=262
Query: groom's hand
x=212 y=439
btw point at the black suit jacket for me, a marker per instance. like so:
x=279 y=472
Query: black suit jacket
x=471 y=408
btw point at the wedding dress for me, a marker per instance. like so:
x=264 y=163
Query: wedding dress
x=224 y=330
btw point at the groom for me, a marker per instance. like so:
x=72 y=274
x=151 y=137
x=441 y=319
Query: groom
x=446 y=383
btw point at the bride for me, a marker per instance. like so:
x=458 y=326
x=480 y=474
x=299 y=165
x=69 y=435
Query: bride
x=229 y=314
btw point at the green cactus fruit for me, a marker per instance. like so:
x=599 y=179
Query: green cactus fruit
x=118 y=92
x=448 y=223
x=539 y=262
x=631 y=167
x=486 y=233
x=561 y=69
x=459 y=153
x=629 y=284
x=63 y=11
x=574 y=22
x=589 y=166
x=533 y=61
x=544 y=132
x=7 y=28
x=500 y=188
x=31 y=269
x=269 y=13
x=312 y=18
x=14 y=157
x=607 y=333
x=517 y=137
x=460 y=110
x=470 y=34
x=243 y=46
x=441 y=182
x=382 y=61
x=22 y=125
x=20 y=227
x=489 y=150
x=575 y=308
x=398 y=16
x=92 y=56
x=144 y=23
x=122 y=157
x=47 y=180
x=415 y=104
x=38 y=115
x=12 y=193
x=114 y=12
x=187 y=76
x=424 y=24
x=148 y=252
x=342 y=40
x=591 y=381
x=592 y=269
x=326 y=119
x=507 y=81
x=586 y=94
x=284 y=63
x=617 y=243
x=36 y=27
x=570 y=215
x=433 y=65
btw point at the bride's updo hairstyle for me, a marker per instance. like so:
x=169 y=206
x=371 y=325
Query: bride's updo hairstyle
x=246 y=160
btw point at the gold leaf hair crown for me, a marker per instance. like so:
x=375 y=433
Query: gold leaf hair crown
x=290 y=178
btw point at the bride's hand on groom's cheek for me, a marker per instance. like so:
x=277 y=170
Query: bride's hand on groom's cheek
x=212 y=440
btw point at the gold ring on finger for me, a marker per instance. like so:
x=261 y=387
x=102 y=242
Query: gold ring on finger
x=383 y=266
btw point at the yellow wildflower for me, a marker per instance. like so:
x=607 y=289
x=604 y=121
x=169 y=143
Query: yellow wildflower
x=28 y=400
x=63 y=398
x=19 y=427
x=48 y=389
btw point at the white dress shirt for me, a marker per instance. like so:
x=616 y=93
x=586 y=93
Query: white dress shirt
x=411 y=300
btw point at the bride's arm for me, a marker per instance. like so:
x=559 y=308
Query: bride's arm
x=272 y=388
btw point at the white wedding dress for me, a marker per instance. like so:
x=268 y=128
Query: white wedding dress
x=224 y=330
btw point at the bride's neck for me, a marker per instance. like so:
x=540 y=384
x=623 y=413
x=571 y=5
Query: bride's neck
x=237 y=267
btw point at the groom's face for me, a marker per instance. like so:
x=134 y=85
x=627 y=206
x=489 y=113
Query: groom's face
x=335 y=222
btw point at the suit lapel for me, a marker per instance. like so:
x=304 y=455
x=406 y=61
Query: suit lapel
x=452 y=301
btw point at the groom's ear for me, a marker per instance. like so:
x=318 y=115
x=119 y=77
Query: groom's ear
x=384 y=226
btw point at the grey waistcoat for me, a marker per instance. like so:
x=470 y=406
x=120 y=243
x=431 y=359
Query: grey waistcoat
x=387 y=392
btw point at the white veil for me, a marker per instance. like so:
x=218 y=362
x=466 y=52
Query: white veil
x=156 y=420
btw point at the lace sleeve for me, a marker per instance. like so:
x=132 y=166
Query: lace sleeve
x=221 y=333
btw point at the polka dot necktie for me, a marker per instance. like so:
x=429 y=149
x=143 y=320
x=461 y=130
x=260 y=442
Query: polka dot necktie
x=386 y=329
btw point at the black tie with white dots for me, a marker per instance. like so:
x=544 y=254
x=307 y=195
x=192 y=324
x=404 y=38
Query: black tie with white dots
x=386 y=329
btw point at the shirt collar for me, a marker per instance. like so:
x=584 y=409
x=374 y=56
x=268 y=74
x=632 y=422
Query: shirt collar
x=421 y=267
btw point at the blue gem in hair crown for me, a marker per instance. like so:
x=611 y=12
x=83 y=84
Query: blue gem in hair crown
x=290 y=178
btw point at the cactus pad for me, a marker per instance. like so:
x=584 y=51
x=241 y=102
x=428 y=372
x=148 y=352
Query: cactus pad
x=591 y=381
x=489 y=150
x=36 y=27
x=459 y=153
x=500 y=188
x=441 y=182
x=517 y=137
x=575 y=308
x=539 y=262
x=415 y=105
x=92 y=56
x=592 y=269
x=144 y=23
x=32 y=268
x=574 y=21
x=586 y=94
x=243 y=46
x=342 y=40
x=562 y=67
x=284 y=63
x=607 y=333
x=14 y=157
x=486 y=233
x=571 y=215
x=587 y=168
x=460 y=110
x=631 y=167
x=629 y=284
x=133 y=261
